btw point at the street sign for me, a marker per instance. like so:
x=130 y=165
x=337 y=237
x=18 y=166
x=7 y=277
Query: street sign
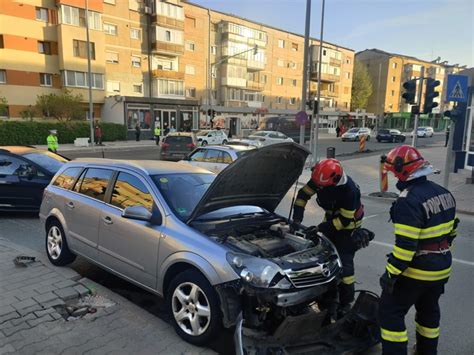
x=456 y=89
x=301 y=118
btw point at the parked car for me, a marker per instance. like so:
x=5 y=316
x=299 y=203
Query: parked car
x=213 y=136
x=390 y=135
x=355 y=133
x=24 y=174
x=245 y=142
x=216 y=158
x=177 y=145
x=212 y=245
x=269 y=137
x=423 y=132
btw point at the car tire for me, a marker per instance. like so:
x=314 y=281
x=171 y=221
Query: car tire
x=179 y=296
x=204 y=143
x=378 y=140
x=57 y=248
x=224 y=141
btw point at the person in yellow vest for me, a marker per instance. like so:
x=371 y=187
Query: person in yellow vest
x=157 y=134
x=53 y=141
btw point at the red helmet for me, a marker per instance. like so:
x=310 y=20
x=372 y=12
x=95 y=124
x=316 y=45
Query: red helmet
x=327 y=172
x=403 y=161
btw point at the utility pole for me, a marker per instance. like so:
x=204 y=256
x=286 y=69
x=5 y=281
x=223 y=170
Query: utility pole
x=304 y=90
x=316 y=119
x=417 y=114
x=449 y=155
x=89 y=75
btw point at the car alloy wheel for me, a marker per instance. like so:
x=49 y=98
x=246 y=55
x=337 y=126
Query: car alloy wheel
x=224 y=142
x=191 y=309
x=204 y=143
x=55 y=242
x=57 y=248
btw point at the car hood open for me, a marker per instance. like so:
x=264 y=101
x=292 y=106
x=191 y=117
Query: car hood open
x=260 y=178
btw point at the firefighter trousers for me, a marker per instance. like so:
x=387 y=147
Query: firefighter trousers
x=393 y=308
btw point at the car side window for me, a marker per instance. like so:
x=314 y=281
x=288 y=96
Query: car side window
x=129 y=191
x=67 y=177
x=77 y=186
x=281 y=135
x=95 y=182
x=212 y=156
x=199 y=155
x=225 y=158
x=273 y=135
x=10 y=165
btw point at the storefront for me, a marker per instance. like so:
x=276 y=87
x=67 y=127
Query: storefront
x=145 y=114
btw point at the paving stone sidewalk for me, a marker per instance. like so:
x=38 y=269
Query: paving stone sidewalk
x=32 y=322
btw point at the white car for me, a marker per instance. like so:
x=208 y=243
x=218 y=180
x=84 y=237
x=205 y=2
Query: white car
x=216 y=159
x=269 y=137
x=211 y=137
x=423 y=132
x=355 y=133
x=244 y=142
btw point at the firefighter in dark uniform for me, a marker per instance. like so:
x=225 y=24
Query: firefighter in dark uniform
x=424 y=217
x=339 y=196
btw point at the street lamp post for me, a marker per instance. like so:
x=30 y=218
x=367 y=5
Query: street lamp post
x=89 y=75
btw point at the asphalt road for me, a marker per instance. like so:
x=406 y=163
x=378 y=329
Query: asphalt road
x=457 y=304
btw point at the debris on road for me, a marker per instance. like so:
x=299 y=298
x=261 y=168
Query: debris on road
x=24 y=260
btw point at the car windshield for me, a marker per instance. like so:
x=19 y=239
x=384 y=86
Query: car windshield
x=241 y=153
x=47 y=160
x=202 y=133
x=353 y=130
x=384 y=131
x=421 y=129
x=182 y=192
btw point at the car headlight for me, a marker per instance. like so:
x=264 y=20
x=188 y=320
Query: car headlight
x=258 y=272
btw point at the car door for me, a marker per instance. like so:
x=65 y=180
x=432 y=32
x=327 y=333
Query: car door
x=128 y=246
x=83 y=208
x=211 y=161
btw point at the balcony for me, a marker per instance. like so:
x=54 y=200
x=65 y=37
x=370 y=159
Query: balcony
x=235 y=82
x=168 y=74
x=255 y=85
x=335 y=62
x=328 y=93
x=255 y=65
x=330 y=78
x=168 y=49
x=165 y=21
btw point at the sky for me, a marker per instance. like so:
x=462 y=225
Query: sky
x=426 y=29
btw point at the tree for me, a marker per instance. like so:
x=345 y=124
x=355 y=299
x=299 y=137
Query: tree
x=64 y=106
x=361 y=86
x=3 y=106
x=28 y=113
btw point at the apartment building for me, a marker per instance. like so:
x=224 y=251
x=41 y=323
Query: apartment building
x=162 y=63
x=388 y=72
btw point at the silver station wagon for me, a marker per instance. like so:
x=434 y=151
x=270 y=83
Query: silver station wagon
x=212 y=245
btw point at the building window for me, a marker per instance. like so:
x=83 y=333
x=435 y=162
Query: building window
x=213 y=50
x=137 y=88
x=136 y=61
x=111 y=57
x=77 y=17
x=46 y=79
x=346 y=104
x=170 y=87
x=294 y=47
x=113 y=86
x=393 y=79
x=42 y=14
x=169 y=10
x=44 y=47
x=80 y=79
x=190 y=46
x=294 y=82
x=281 y=63
x=281 y=43
x=293 y=101
x=79 y=49
x=279 y=100
x=110 y=29
x=393 y=92
x=348 y=75
x=394 y=65
x=348 y=61
x=263 y=78
x=112 y=2
x=390 y=106
x=163 y=64
x=292 y=65
x=190 y=92
x=3 y=76
x=168 y=36
x=324 y=52
x=190 y=69
x=135 y=33
x=280 y=81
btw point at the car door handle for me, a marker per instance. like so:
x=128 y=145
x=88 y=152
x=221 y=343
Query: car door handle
x=70 y=205
x=107 y=220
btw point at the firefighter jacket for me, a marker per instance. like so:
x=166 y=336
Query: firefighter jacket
x=344 y=211
x=424 y=217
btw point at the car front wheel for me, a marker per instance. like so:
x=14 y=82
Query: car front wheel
x=194 y=307
x=204 y=143
x=56 y=245
x=224 y=141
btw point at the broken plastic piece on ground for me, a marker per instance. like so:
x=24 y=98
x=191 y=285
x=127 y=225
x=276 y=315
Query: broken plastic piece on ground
x=24 y=260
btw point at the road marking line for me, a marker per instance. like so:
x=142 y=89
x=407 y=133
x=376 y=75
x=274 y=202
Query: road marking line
x=371 y=216
x=460 y=261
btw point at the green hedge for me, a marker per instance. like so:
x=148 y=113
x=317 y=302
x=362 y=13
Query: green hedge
x=35 y=133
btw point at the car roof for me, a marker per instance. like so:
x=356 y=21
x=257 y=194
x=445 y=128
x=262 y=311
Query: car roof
x=188 y=134
x=149 y=167
x=19 y=149
x=229 y=147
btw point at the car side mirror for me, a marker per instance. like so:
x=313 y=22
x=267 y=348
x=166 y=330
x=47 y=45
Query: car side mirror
x=137 y=212
x=209 y=135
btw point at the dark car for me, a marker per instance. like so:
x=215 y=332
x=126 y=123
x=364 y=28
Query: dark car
x=390 y=135
x=177 y=145
x=24 y=174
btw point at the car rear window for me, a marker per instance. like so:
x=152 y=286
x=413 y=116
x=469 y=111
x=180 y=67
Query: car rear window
x=47 y=160
x=179 y=140
x=66 y=179
x=384 y=131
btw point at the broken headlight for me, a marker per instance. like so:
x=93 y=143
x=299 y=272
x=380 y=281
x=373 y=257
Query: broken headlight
x=258 y=272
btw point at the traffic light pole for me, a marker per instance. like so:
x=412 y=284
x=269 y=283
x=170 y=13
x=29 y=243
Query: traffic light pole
x=304 y=91
x=417 y=115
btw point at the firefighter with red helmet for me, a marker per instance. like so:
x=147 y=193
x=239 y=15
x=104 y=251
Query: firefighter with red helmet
x=424 y=217
x=339 y=196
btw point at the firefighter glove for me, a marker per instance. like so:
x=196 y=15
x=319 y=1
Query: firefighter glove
x=387 y=282
x=362 y=237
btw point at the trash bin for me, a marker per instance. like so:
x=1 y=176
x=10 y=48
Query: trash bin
x=331 y=152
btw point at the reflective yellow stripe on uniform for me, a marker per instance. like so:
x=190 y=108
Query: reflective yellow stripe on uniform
x=337 y=223
x=348 y=280
x=426 y=332
x=397 y=337
x=392 y=269
x=301 y=203
x=407 y=231
x=424 y=275
x=352 y=225
x=437 y=231
x=308 y=190
x=347 y=213
x=402 y=254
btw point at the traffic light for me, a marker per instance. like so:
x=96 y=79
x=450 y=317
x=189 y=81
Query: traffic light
x=410 y=91
x=452 y=114
x=310 y=104
x=430 y=94
x=313 y=105
x=211 y=113
x=255 y=50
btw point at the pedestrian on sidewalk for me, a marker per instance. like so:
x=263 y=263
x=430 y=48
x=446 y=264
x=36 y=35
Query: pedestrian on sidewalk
x=52 y=141
x=137 y=132
x=424 y=217
x=338 y=131
x=98 y=134
x=157 y=133
x=447 y=136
